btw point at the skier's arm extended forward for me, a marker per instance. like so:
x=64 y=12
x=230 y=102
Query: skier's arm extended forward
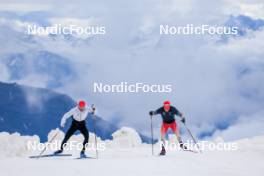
x=158 y=111
x=65 y=117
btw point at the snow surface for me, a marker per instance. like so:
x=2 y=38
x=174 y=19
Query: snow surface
x=126 y=155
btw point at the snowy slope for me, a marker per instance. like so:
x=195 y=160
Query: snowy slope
x=134 y=160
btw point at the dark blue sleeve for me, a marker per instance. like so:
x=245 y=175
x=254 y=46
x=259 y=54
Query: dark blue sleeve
x=176 y=111
x=159 y=111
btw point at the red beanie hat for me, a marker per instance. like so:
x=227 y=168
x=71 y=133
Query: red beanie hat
x=166 y=103
x=81 y=104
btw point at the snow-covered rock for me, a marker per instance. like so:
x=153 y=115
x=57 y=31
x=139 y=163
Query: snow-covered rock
x=14 y=144
x=126 y=137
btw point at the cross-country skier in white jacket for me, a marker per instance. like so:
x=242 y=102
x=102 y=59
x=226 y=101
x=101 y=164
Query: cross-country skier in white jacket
x=79 y=115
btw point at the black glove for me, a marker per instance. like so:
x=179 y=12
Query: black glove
x=151 y=113
x=183 y=120
x=93 y=108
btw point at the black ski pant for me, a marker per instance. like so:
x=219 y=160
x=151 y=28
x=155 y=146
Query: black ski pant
x=76 y=125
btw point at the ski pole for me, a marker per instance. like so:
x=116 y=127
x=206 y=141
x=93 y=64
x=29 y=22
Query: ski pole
x=189 y=131
x=55 y=135
x=151 y=131
x=94 y=128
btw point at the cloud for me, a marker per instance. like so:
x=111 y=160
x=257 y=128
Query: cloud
x=4 y=73
x=40 y=80
x=23 y=7
x=213 y=83
x=246 y=127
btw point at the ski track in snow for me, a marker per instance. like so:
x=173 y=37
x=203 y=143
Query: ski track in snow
x=138 y=161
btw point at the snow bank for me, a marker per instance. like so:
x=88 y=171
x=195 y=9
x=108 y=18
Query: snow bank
x=126 y=137
x=15 y=145
x=255 y=143
x=12 y=145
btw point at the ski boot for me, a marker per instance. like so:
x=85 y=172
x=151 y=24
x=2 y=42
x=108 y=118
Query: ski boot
x=183 y=146
x=82 y=154
x=163 y=151
x=58 y=152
